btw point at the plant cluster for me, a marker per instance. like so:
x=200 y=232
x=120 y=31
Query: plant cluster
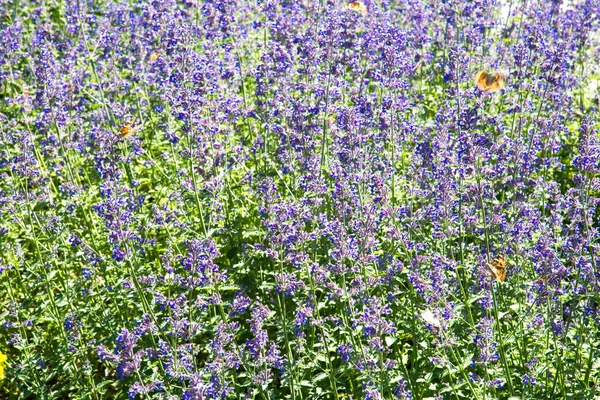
x=231 y=199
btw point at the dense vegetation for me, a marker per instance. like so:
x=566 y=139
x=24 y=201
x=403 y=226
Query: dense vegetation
x=300 y=199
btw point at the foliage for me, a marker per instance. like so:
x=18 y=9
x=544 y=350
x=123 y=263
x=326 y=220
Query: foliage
x=298 y=199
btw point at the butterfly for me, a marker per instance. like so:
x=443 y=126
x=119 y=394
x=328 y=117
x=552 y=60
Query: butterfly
x=128 y=130
x=358 y=6
x=430 y=318
x=542 y=280
x=418 y=65
x=154 y=56
x=498 y=268
x=491 y=81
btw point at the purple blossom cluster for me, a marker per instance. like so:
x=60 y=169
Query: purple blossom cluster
x=228 y=199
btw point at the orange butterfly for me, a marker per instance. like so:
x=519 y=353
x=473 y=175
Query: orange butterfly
x=498 y=268
x=128 y=130
x=358 y=6
x=491 y=81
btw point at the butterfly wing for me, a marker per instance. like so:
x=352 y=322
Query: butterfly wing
x=498 y=268
x=497 y=82
x=480 y=80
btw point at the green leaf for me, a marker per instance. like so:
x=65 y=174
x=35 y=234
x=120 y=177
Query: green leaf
x=320 y=377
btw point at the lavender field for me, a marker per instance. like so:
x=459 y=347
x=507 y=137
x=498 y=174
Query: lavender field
x=309 y=199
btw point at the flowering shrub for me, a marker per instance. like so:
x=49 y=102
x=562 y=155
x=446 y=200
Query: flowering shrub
x=299 y=199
